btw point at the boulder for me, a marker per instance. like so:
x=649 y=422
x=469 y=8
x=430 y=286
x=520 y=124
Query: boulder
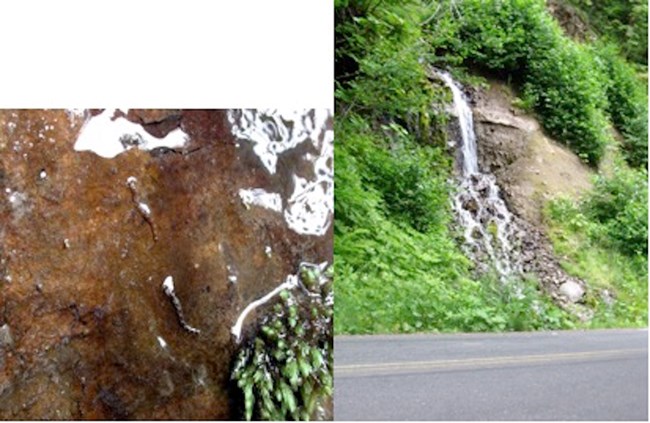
x=572 y=291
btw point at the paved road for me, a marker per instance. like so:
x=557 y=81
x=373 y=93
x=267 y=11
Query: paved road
x=568 y=375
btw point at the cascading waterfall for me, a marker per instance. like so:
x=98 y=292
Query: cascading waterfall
x=489 y=227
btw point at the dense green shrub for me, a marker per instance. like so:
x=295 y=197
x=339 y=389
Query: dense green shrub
x=379 y=69
x=567 y=90
x=628 y=103
x=520 y=40
x=409 y=187
x=620 y=204
x=622 y=21
x=503 y=35
x=406 y=177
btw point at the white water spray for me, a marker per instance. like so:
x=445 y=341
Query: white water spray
x=469 y=159
x=489 y=227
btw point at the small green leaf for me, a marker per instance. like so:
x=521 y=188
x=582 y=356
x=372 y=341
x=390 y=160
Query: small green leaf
x=248 y=401
x=316 y=358
x=305 y=368
x=292 y=322
x=287 y=396
x=290 y=371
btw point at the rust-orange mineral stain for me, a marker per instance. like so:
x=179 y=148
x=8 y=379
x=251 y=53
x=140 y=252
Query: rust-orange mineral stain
x=86 y=330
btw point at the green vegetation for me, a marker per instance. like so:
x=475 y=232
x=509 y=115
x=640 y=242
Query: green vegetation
x=520 y=41
x=624 y=23
x=573 y=87
x=399 y=265
x=628 y=104
x=604 y=240
x=285 y=371
x=393 y=277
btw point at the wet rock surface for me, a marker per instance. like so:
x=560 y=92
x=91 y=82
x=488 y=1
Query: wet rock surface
x=511 y=164
x=87 y=331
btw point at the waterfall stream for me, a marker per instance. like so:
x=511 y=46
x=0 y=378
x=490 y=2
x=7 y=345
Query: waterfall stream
x=489 y=227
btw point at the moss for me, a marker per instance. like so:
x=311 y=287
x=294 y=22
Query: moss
x=284 y=371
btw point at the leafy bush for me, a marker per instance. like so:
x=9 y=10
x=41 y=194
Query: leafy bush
x=620 y=204
x=409 y=187
x=568 y=94
x=379 y=70
x=503 y=35
x=622 y=21
x=628 y=104
x=285 y=371
x=521 y=41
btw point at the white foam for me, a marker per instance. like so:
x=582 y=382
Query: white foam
x=101 y=135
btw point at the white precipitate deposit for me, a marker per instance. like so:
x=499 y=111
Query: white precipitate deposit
x=289 y=283
x=259 y=197
x=108 y=137
x=144 y=208
x=273 y=132
x=168 y=289
x=310 y=207
x=162 y=342
x=168 y=285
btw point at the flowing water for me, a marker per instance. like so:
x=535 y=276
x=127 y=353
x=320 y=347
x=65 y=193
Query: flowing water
x=489 y=227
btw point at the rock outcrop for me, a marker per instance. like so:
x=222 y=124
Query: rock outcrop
x=530 y=167
x=86 y=242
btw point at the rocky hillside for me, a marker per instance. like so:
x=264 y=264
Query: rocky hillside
x=560 y=115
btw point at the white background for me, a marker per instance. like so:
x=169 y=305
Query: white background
x=167 y=54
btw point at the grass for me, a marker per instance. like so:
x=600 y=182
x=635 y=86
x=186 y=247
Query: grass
x=608 y=272
x=393 y=277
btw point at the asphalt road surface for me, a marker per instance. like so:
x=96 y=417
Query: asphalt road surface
x=566 y=375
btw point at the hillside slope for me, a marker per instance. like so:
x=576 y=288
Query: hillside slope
x=399 y=262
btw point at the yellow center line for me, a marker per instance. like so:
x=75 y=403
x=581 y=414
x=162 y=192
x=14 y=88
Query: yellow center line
x=400 y=367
